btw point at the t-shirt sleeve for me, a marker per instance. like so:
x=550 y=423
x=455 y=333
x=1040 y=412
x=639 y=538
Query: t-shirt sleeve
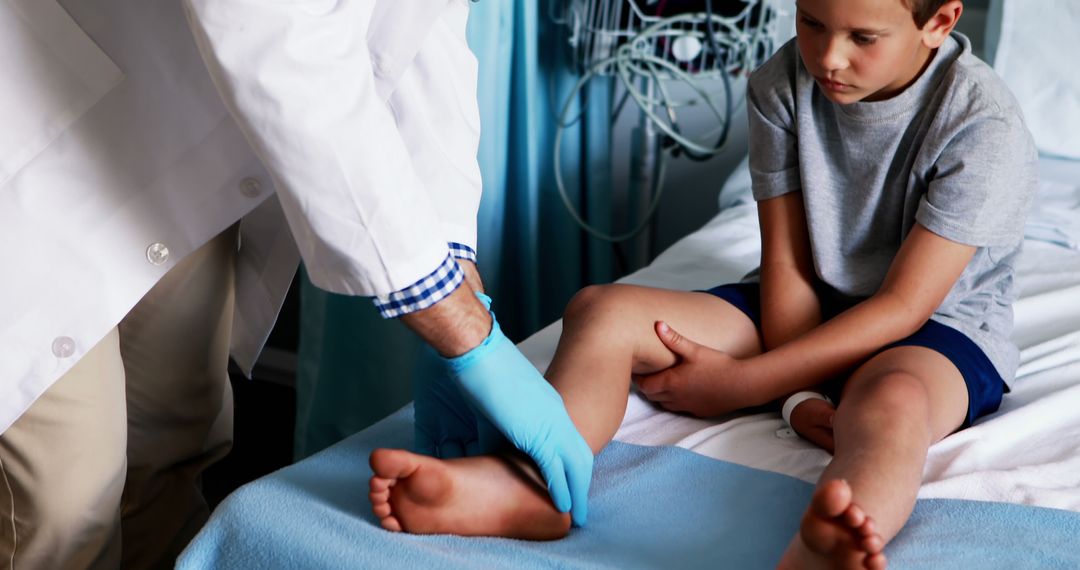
x=774 y=163
x=982 y=184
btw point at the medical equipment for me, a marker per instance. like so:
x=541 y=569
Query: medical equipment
x=645 y=44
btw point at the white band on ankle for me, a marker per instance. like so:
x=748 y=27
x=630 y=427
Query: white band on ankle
x=796 y=399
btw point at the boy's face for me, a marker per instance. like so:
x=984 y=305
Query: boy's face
x=863 y=50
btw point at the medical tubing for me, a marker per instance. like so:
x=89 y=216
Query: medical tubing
x=623 y=72
x=662 y=169
x=600 y=234
x=628 y=63
x=725 y=123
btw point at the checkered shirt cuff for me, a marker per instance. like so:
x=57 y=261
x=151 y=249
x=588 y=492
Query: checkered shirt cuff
x=424 y=293
x=462 y=251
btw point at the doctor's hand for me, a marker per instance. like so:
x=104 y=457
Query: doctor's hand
x=703 y=382
x=503 y=385
x=446 y=426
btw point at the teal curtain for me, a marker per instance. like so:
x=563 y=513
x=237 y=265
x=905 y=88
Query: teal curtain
x=355 y=368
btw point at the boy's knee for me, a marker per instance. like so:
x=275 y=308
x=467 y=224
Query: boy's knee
x=589 y=300
x=889 y=397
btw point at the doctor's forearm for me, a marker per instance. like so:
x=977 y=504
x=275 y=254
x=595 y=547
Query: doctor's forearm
x=472 y=275
x=454 y=325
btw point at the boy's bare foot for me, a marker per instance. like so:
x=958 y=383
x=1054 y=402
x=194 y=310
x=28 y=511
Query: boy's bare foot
x=835 y=533
x=473 y=496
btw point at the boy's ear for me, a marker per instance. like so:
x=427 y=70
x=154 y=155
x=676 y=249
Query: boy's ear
x=941 y=24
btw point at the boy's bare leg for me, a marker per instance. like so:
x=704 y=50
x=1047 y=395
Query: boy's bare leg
x=607 y=336
x=894 y=407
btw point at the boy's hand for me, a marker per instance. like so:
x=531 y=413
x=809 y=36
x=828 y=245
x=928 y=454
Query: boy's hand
x=812 y=419
x=703 y=382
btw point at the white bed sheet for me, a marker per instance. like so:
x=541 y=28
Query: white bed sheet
x=1027 y=453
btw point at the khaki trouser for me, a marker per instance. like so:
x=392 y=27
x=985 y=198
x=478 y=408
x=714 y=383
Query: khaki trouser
x=103 y=470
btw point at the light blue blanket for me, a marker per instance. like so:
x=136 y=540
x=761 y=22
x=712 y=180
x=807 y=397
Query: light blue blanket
x=650 y=507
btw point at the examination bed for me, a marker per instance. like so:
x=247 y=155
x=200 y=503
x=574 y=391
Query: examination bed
x=680 y=492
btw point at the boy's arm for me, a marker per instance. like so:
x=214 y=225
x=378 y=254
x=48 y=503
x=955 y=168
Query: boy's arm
x=789 y=304
x=922 y=274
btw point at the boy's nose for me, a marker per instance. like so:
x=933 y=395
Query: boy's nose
x=832 y=56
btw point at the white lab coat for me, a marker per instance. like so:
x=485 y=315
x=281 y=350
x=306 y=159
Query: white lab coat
x=117 y=159
x=365 y=113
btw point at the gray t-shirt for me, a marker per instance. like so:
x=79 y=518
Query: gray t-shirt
x=950 y=152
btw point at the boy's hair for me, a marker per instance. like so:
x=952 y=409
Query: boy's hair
x=923 y=10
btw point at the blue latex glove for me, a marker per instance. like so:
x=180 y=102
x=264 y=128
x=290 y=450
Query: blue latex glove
x=446 y=425
x=503 y=385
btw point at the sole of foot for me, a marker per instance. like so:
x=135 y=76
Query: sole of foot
x=474 y=496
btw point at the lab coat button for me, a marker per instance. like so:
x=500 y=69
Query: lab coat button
x=250 y=187
x=157 y=253
x=63 y=347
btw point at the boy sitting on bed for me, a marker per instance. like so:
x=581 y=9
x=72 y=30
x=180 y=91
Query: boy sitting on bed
x=892 y=171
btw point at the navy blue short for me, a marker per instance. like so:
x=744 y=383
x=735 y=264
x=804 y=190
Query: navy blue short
x=984 y=385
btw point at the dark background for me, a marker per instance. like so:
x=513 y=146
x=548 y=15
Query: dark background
x=265 y=410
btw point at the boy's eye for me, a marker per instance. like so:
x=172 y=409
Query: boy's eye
x=810 y=23
x=863 y=40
